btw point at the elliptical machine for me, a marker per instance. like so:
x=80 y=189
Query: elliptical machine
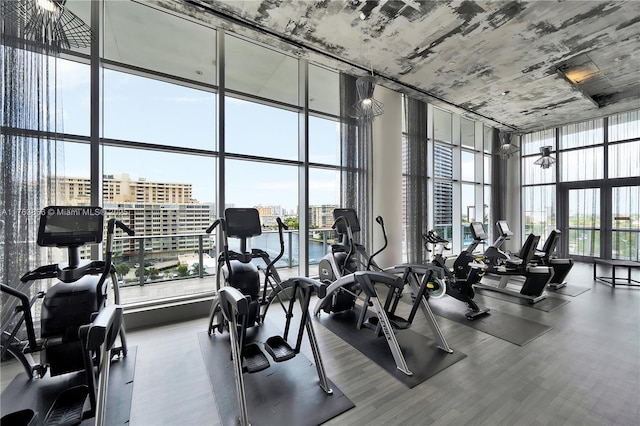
x=238 y=303
x=468 y=269
x=77 y=328
x=352 y=275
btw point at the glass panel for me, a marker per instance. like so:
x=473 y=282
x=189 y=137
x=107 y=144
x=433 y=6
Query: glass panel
x=82 y=9
x=443 y=209
x=626 y=245
x=128 y=26
x=532 y=142
x=467 y=166
x=626 y=222
x=584 y=242
x=582 y=164
x=324 y=196
x=259 y=71
x=625 y=213
x=487 y=169
x=145 y=110
x=488 y=139
x=73 y=174
x=486 y=217
x=467 y=133
x=624 y=126
x=167 y=198
x=324 y=90
x=584 y=208
x=64 y=91
x=260 y=130
x=539 y=204
x=324 y=141
x=442 y=161
x=624 y=160
x=273 y=190
x=72 y=97
x=533 y=174
x=441 y=125
x=582 y=134
x=468 y=204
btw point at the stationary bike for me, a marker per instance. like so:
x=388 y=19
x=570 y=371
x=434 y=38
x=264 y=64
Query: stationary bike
x=78 y=330
x=468 y=269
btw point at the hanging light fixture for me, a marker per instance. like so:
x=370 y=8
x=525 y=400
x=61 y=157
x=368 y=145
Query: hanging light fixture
x=507 y=149
x=546 y=160
x=48 y=22
x=367 y=108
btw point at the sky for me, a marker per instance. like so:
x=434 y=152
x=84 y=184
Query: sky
x=145 y=110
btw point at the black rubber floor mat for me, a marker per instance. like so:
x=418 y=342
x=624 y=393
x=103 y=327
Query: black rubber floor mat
x=287 y=393
x=421 y=354
x=39 y=394
x=569 y=290
x=547 y=305
x=507 y=327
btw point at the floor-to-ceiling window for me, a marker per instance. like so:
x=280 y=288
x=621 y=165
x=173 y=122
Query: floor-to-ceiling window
x=459 y=176
x=160 y=151
x=591 y=193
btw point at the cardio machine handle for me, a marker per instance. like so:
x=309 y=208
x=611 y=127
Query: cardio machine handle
x=281 y=224
x=115 y=223
x=26 y=311
x=213 y=226
x=386 y=242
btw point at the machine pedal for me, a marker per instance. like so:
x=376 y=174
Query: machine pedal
x=279 y=349
x=253 y=359
x=68 y=407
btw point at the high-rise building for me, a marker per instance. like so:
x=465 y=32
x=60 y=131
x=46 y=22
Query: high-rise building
x=321 y=216
x=164 y=212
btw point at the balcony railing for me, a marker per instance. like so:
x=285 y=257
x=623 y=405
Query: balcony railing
x=172 y=257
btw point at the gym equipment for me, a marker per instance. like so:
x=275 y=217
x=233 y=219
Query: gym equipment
x=237 y=269
x=78 y=330
x=468 y=269
x=237 y=305
x=507 y=267
x=561 y=267
x=347 y=270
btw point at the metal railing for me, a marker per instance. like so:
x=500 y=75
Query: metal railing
x=167 y=254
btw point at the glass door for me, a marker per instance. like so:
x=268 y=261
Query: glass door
x=625 y=222
x=584 y=222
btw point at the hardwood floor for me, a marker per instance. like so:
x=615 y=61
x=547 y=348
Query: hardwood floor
x=585 y=371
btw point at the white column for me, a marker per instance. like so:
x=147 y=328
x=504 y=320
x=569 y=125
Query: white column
x=387 y=177
x=513 y=203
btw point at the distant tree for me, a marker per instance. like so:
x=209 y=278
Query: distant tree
x=122 y=269
x=183 y=271
x=153 y=273
x=145 y=272
x=292 y=222
x=195 y=269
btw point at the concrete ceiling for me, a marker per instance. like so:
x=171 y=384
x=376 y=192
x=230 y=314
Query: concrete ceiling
x=523 y=65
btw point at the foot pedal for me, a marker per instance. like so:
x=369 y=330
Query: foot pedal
x=279 y=349
x=68 y=407
x=253 y=359
x=24 y=417
x=398 y=323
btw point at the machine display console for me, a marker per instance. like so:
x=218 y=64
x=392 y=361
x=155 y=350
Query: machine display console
x=65 y=226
